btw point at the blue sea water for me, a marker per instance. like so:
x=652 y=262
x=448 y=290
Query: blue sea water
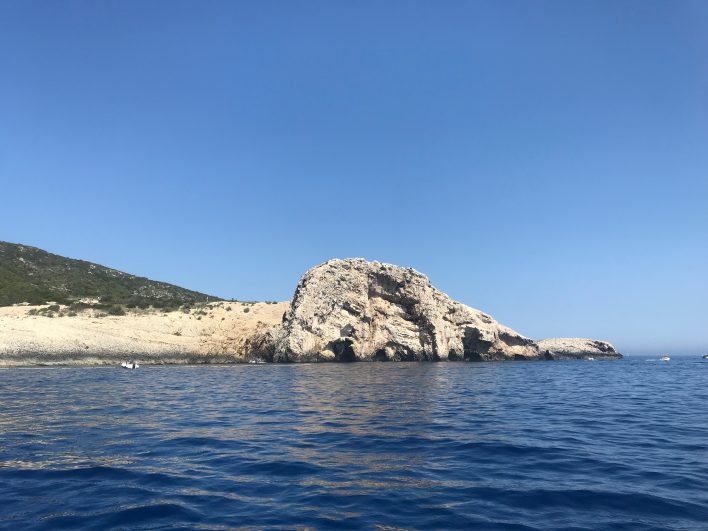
x=535 y=445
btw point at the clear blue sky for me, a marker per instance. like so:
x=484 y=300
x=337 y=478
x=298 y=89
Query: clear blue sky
x=546 y=162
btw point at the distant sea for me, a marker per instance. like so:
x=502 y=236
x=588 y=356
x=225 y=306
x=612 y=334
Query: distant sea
x=523 y=445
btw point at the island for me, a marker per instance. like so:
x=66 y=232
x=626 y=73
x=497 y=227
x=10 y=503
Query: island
x=61 y=311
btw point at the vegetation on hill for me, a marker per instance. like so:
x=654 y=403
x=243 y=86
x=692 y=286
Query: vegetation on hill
x=31 y=275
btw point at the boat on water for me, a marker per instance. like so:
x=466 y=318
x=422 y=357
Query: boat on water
x=705 y=356
x=590 y=358
x=664 y=358
x=130 y=365
x=256 y=362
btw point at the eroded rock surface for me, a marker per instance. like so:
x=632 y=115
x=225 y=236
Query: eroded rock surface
x=577 y=348
x=349 y=310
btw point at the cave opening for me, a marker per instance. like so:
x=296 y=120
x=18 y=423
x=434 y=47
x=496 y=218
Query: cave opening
x=379 y=355
x=343 y=350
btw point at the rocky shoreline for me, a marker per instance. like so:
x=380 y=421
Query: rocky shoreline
x=208 y=333
x=577 y=348
x=342 y=310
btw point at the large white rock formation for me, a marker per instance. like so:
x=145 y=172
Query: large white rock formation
x=349 y=310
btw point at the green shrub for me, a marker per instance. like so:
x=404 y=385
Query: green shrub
x=116 y=310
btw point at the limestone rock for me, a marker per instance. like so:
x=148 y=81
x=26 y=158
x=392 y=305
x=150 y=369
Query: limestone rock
x=348 y=310
x=577 y=348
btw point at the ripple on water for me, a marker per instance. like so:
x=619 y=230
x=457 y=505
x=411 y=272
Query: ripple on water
x=455 y=445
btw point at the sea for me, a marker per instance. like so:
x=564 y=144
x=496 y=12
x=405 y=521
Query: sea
x=518 y=445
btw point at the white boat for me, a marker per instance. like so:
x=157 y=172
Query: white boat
x=705 y=356
x=256 y=362
x=130 y=365
x=591 y=358
x=664 y=358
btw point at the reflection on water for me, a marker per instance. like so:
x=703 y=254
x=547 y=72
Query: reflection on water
x=544 y=445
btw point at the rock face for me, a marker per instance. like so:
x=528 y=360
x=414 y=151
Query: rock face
x=350 y=310
x=576 y=348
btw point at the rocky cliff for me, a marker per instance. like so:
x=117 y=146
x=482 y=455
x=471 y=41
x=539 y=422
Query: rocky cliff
x=351 y=310
x=577 y=348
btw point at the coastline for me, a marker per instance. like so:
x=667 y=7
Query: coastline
x=206 y=361
x=343 y=310
x=217 y=333
x=210 y=333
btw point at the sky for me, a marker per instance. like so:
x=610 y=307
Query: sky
x=544 y=161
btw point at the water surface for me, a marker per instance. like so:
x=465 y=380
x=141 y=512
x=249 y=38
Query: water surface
x=536 y=445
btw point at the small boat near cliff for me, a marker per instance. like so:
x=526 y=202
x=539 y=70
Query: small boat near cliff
x=130 y=365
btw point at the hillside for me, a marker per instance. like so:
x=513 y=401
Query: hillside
x=28 y=274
